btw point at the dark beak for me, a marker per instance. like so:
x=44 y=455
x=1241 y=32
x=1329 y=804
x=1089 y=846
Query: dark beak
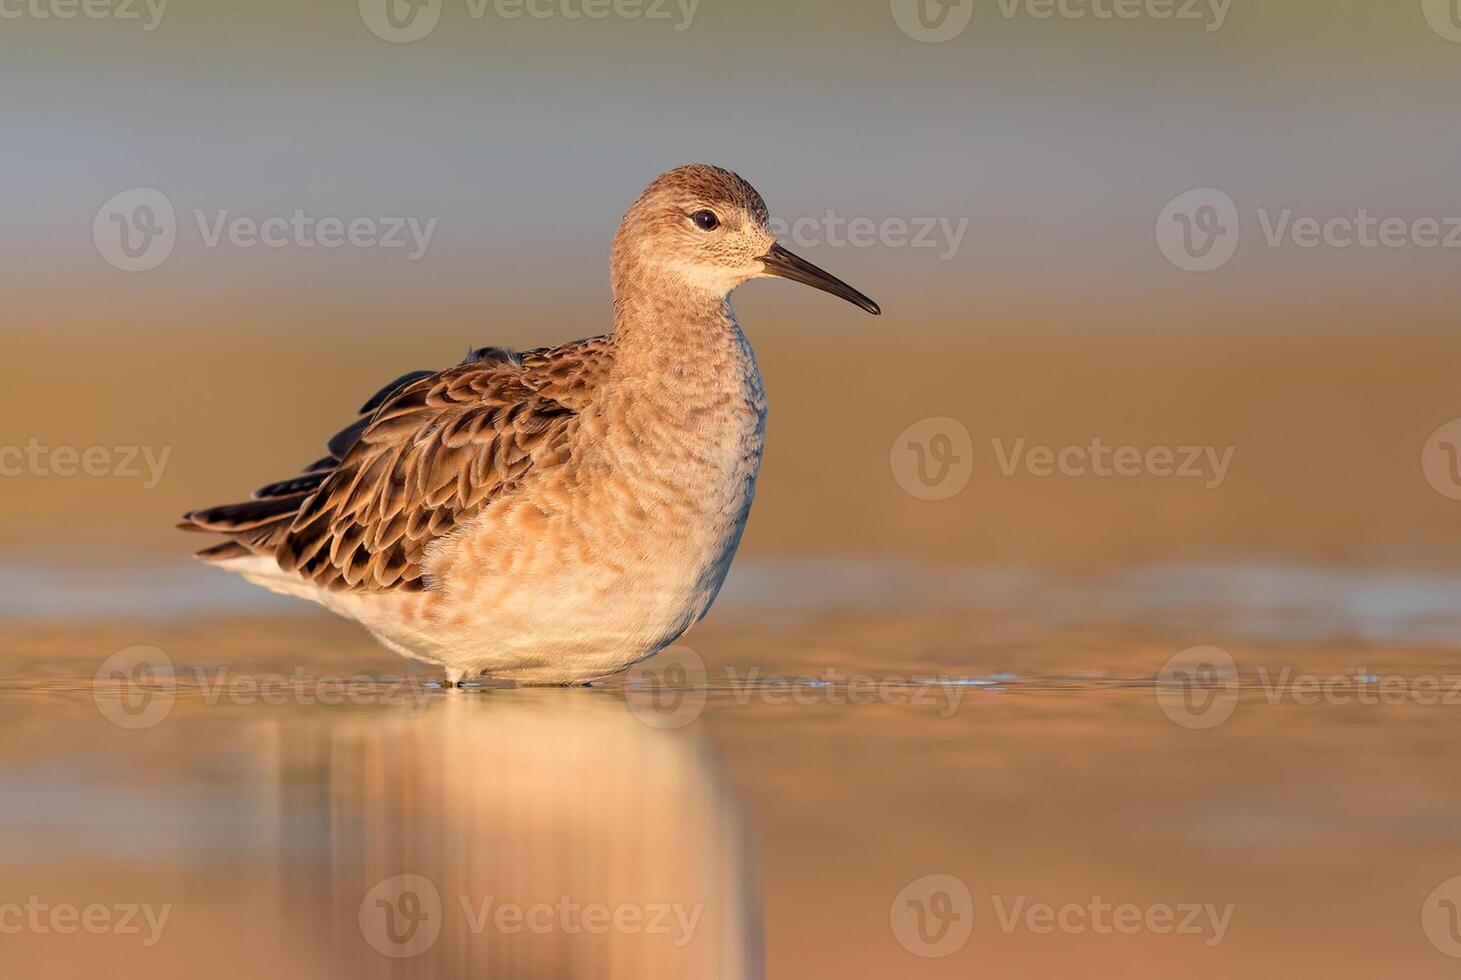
x=784 y=265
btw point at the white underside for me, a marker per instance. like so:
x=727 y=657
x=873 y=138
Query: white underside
x=570 y=625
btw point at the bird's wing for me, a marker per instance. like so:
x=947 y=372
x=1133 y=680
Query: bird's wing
x=430 y=453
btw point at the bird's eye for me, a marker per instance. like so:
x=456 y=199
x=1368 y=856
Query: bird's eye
x=705 y=220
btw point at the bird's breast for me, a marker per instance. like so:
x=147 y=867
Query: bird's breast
x=625 y=546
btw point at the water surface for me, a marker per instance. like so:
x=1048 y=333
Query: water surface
x=1010 y=776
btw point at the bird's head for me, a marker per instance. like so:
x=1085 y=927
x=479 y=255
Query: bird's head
x=704 y=229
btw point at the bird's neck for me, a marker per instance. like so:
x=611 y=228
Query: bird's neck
x=684 y=398
x=681 y=339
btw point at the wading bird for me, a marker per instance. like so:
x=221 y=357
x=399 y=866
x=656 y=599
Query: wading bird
x=555 y=515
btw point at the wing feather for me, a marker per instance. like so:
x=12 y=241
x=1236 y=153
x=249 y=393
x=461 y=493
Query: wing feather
x=431 y=457
x=431 y=450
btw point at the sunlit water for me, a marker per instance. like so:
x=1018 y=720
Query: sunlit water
x=890 y=772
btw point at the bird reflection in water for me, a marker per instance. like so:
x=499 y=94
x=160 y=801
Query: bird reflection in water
x=518 y=834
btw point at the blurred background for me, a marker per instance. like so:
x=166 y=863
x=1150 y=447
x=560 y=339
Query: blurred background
x=1220 y=236
x=1053 y=144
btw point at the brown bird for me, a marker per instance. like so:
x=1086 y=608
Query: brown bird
x=560 y=514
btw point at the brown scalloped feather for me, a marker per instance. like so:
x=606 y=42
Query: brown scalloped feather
x=430 y=453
